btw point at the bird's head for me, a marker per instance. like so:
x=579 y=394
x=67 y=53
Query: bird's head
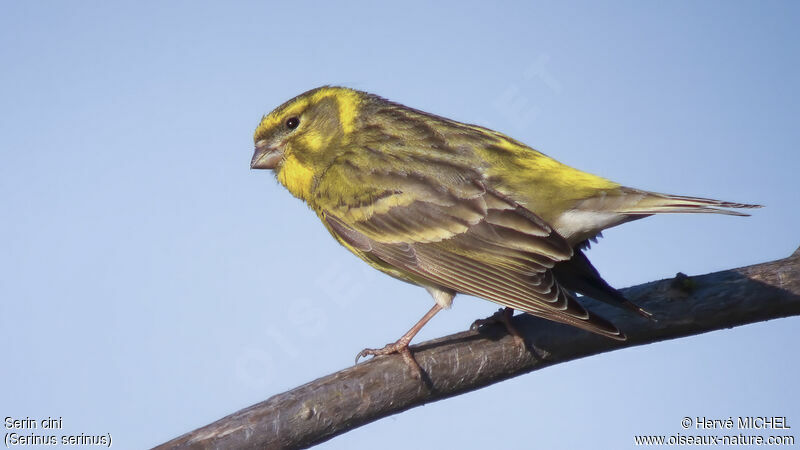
x=301 y=137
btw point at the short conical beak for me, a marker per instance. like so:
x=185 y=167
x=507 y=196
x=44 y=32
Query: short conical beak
x=265 y=157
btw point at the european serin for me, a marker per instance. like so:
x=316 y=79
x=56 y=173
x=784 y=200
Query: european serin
x=454 y=207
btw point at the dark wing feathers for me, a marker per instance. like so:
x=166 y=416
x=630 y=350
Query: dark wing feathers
x=579 y=275
x=467 y=238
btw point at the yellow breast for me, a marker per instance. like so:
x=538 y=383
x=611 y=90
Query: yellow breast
x=296 y=177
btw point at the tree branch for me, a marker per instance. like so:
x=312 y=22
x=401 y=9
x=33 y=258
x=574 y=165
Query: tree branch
x=459 y=363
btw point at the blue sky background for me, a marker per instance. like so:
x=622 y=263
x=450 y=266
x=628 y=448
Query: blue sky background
x=151 y=283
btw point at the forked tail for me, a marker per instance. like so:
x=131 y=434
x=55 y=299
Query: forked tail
x=656 y=203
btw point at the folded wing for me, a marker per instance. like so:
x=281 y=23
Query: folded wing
x=440 y=225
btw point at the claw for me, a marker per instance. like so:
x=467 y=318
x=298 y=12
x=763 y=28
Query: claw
x=400 y=347
x=361 y=354
x=503 y=315
x=491 y=320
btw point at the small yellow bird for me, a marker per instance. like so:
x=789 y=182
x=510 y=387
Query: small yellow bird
x=452 y=207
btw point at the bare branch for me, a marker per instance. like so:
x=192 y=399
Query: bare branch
x=462 y=362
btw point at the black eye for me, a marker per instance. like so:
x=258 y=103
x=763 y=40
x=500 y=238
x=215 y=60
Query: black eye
x=292 y=123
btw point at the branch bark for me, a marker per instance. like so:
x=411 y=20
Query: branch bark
x=459 y=363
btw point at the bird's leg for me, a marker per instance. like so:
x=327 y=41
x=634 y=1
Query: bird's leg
x=503 y=316
x=401 y=345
